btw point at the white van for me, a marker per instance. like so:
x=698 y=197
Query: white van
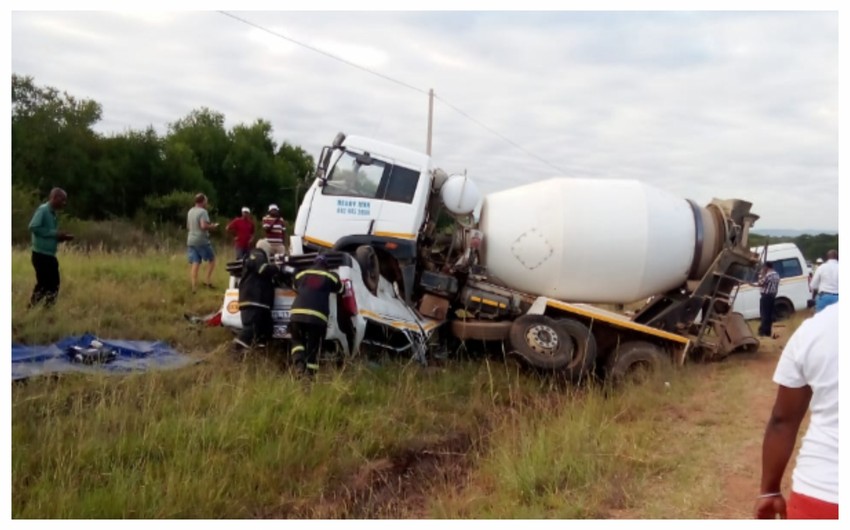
x=794 y=292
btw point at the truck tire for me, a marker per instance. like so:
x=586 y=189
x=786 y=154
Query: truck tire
x=370 y=267
x=565 y=346
x=782 y=309
x=584 y=358
x=634 y=360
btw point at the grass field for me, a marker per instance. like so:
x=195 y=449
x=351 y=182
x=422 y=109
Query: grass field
x=226 y=438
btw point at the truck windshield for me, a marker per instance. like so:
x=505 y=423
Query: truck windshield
x=350 y=178
x=377 y=180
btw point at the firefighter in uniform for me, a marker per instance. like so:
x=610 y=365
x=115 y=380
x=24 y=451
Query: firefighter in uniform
x=256 y=297
x=309 y=315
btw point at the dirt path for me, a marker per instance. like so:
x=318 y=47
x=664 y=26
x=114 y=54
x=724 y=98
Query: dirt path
x=735 y=461
x=741 y=477
x=741 y=469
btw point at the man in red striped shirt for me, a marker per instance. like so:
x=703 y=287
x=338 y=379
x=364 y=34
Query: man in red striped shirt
x=275 y=228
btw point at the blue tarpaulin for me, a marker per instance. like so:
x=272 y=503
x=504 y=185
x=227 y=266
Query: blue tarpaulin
x=130 y=356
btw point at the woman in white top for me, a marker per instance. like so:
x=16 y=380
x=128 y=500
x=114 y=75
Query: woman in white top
x=807 y=375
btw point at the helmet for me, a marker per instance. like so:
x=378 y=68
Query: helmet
x=265 y=246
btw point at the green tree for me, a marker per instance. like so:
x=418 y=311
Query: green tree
x=138 y=174
x=251 y=178
x=132 y=167
x=296 y=168
x=53 y=143
x=203 y=132
x=182 y=171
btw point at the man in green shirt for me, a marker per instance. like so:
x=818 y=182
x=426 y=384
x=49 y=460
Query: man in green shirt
x=45 y=239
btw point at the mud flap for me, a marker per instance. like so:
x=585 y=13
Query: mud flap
x=734 y=334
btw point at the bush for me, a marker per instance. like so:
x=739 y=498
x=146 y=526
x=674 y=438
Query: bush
x=160 y=227
x=117 y=234
x=170 y=208
x=24 y=202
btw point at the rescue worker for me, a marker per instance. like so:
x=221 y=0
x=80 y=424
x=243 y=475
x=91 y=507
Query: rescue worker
x=309 y=316
x=256 y=297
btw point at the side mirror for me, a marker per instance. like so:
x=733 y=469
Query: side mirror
x=324 y=160
x=338 y=139
x=364 y=160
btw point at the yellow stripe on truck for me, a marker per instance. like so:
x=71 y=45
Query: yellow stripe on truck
x=399 y=235
x=319 y=242
x=622 y=323
x=487 y=302
x=405 y=325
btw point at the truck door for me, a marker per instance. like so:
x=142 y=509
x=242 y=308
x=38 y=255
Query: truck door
x=401 y=216
x=347 y=202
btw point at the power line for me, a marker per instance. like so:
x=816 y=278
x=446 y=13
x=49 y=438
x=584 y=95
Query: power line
x=327 y=54
x=508 y=140
x=398 y=82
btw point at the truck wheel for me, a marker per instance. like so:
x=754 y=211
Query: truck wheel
x=553 y=345
x=634 y=361
x=782 y=309
x=370 y=267
x=584 y=357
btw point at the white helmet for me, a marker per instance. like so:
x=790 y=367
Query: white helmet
x=265 y=246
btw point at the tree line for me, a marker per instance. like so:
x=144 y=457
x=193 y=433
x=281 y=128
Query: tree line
x=141 y=175
x=812 y=246
x=152 y=180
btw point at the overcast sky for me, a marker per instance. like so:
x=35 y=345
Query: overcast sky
x=701 y=104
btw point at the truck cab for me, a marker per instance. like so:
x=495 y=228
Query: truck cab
x=364 y=187
x=794 y=273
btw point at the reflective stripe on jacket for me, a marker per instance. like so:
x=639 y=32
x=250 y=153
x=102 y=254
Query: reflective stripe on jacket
x=314 y=286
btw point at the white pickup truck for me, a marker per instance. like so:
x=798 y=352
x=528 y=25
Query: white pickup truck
x=794 y=292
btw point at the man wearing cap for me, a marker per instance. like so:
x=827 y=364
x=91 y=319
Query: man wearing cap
x=275 y=229
x=309 y=316
x=825 y=282
x=242 y=229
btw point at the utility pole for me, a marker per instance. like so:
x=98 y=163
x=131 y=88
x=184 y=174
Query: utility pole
x=430 y=120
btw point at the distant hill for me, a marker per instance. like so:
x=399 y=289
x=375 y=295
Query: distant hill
x=787 y=232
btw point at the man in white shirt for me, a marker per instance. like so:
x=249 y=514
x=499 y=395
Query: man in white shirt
x=807 y=375
x=825 y=282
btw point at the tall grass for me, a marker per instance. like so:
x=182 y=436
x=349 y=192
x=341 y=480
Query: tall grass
x=138 y=295
x=233 y=439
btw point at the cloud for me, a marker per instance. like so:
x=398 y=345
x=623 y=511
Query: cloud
x=701 y=104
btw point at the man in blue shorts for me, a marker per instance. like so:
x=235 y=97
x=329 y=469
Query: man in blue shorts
x=198 y=245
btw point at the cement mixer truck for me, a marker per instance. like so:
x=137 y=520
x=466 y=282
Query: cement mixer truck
x=426 y=259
